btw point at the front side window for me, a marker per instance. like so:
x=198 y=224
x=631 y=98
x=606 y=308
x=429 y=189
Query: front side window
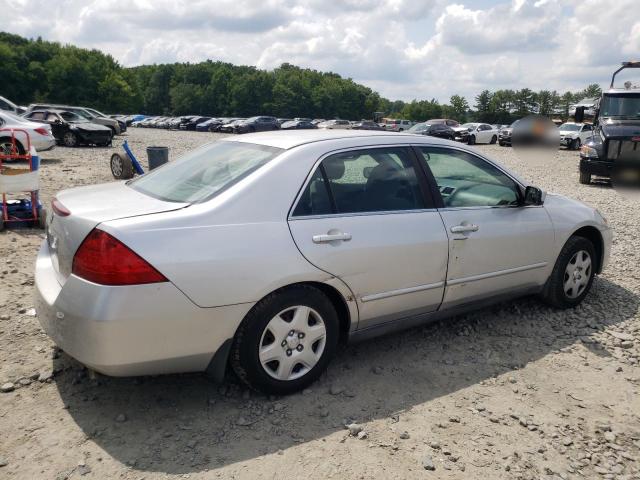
x=371 y=180
x=204 y=172
x=465 y=180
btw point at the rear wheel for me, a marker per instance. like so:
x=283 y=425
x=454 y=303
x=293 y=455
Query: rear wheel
x=42 y=217
x=572 y=275
x=6 y=147
x=286 y=341
x=585 y=178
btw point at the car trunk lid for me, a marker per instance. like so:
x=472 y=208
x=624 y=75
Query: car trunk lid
x=80 y=210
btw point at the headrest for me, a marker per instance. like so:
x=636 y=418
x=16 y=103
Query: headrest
x=334 y=168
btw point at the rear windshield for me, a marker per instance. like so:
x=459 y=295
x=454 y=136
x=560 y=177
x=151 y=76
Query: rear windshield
x=205 y=172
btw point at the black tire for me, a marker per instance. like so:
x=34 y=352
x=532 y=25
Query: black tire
x=5 y=146
x=494 y=139
x=554 y=290
x=121 y=166
x=501 y=143
x=585 y=178
x=575 y=144
x=472 y=140
x=244 y=357
x=42 y=218
x=70 y=139
x=1 y=223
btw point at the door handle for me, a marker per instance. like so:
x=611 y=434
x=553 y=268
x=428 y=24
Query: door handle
x=332 y=237
x=465 y=228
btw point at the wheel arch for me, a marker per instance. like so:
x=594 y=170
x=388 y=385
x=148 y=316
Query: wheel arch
x=21 y=149
x=592 y=234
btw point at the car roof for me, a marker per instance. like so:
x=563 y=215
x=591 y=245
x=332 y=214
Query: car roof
x=290 y=139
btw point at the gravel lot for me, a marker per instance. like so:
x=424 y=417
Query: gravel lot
x=514 y=391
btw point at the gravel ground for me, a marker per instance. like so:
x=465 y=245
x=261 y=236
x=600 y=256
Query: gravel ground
x=513 y=391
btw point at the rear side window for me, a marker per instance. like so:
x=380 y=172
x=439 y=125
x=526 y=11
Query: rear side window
x=205 y=172
x=371 y=180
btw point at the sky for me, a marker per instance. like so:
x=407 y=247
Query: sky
x=404 y=49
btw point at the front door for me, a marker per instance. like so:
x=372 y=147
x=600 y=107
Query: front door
x=496 y=245
x=364 y=218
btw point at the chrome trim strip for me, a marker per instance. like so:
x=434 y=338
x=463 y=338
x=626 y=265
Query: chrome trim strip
x=499 y=273
x=402 y=291
x=360 y=214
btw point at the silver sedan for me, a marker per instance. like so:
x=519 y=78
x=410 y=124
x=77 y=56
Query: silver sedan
x=264 y=251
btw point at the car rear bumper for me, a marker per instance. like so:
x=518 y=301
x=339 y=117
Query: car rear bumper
x=44 y=143
x=133 y=330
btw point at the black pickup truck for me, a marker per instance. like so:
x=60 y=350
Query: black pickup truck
x=613 y=151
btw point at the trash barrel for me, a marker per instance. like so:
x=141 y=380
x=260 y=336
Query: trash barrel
x=157 y=156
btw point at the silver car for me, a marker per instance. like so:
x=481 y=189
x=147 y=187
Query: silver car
x=264 y=251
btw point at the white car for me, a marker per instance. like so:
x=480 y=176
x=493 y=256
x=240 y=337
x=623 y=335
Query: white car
x=472 y=133
x=265 y=250
x=574 y=135
x=8 y=106
x=398 y=125
x=39 y=134
x=335 y=124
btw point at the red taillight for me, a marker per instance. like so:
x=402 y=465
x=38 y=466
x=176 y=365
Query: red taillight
x=59 y=208
x=106 y=260
x=41 y=131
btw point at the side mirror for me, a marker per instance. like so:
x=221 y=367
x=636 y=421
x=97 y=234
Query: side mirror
x=533 y=196
x=579 y=115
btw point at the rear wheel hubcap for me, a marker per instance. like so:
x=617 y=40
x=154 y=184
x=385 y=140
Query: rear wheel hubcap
x=292 y=343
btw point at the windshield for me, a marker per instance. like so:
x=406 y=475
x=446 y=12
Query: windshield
x=570 y=127
x=10 y=117
x=95 y=112
x=622 y=106
x=72 y=117
x=205 y=172
x=419 y=127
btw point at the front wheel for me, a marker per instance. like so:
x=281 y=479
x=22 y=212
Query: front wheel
x=70 y=139
x=494 y=139
x=585 y=178
x=575 y=144
x=286 y=341
x=572 y=275
x=472 y=140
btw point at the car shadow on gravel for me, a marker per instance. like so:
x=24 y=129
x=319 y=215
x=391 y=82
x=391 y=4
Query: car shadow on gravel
x=185 y=423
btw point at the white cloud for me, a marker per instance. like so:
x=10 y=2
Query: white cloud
x=403 y=48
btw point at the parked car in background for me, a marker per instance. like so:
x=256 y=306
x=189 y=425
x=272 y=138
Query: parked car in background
x=40 y=134
x=108 y=284
x=97 y=114
x=366 y=125
x=114 y=125
x=299 y=124
x=398 y=125
x=9 y=106
x=283 y=120
x=256 y=124
x=504 y=135
x=447 y=121
x=317 y=121
x=440 y=130
x=230 y=126
x=71 y=129
x=473 y=133
x=193 y=122
x=573 y=135
x=335 y=124
x=210 y=125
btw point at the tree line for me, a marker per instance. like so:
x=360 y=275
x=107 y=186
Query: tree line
x=34 y=70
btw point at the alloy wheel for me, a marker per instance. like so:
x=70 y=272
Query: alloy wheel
x=69 y=139
x=292 y=343
x=577 y=274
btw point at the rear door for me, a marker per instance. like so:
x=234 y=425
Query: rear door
x=364 y=217
x=496 y=245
